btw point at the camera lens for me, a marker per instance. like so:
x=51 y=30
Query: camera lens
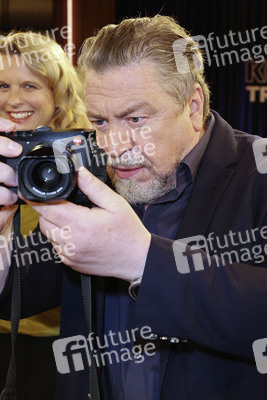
x=45 y=175
x=43 y=178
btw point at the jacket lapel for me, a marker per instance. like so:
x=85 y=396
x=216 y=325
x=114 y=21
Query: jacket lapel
x=205 y=196
x=214 y=174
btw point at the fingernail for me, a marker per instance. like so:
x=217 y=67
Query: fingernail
x=14 y=146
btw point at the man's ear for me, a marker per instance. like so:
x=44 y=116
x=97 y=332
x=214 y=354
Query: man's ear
x=196 y=104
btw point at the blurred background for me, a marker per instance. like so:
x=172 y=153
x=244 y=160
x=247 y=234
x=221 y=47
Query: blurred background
x=233 y=34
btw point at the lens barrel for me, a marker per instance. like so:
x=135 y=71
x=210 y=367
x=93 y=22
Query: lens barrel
x=43 y=177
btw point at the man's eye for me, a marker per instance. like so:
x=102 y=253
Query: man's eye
x=99 y=122
x=135 y=120
x=4 y=86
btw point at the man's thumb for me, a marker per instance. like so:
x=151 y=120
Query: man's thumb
x=96 y=191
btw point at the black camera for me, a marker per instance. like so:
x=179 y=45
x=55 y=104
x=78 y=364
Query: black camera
x=47 y=168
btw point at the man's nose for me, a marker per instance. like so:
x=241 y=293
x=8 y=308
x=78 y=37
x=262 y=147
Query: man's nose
x=119 y=141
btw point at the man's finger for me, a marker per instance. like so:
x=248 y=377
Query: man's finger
x=54 y=213
x=97 y=191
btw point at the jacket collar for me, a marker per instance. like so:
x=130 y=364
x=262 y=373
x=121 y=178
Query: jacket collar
x=214 y=174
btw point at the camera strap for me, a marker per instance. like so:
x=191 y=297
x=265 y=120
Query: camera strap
x=87 y=303
x=10 y=392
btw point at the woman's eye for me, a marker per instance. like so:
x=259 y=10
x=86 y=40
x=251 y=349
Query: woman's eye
x=30 y=86
x=4 y=86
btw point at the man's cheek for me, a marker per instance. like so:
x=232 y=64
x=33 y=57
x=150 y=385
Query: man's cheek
x=149 y=150
x=102 y=143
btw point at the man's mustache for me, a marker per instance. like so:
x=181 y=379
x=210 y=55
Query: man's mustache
x=130 y=161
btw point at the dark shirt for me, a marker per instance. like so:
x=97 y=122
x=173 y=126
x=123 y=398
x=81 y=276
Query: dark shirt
x=131 y=380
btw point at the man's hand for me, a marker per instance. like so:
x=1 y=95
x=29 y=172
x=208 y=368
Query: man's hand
x=107 y=240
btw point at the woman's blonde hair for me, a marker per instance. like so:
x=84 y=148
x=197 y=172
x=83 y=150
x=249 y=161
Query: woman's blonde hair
x=45 y=58
x=159 y=40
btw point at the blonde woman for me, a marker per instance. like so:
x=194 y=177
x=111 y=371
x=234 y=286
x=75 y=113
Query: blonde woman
x=38 y=86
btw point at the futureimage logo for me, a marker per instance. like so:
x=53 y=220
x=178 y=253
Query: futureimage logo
x=230 y=48
x=192 y=258
x=71 y=354
x=76 y=353
x=260 y=353
x=194 y=253
x=27 y=250
x=37 y=56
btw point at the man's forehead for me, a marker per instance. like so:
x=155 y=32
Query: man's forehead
x=92 y=75
x=120 y=86
x=94 y=109
x=144 y=70
x=126 y=89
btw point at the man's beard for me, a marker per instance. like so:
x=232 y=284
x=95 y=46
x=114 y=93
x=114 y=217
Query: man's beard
x=141 y=192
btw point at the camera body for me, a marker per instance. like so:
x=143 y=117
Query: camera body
x=48 y=166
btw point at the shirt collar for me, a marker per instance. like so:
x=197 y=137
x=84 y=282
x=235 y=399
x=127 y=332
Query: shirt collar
x=188 y=167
